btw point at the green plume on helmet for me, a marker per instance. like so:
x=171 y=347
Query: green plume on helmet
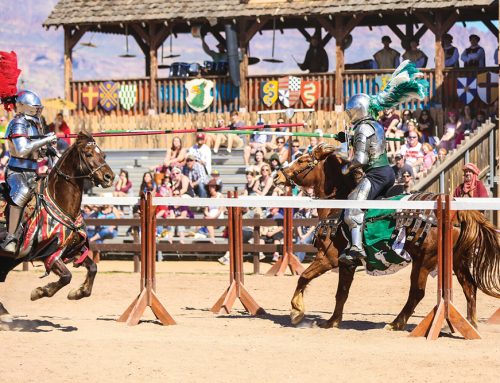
x=406 y=83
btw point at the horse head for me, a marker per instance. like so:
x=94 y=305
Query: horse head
x=320 y=169
x=92 y=161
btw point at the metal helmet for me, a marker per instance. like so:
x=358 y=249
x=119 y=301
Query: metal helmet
x=29 y=104
x=357 y=107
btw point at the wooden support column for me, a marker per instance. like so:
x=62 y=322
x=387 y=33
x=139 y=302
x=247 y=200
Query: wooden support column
x=440 y=25
x=339 y=30
x=71 y=38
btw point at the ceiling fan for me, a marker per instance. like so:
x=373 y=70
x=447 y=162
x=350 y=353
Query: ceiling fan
x=127 y=54
x=272 y=59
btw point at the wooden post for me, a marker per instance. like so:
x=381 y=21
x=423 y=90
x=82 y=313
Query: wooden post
x=243 y=79
x=339 y=35
x=153 y=76
x=68 y=63
x=236 y=287
x=431 y=325
x=147 y=296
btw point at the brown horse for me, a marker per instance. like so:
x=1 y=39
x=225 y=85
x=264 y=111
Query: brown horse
x=476 y=243
x=54 y=231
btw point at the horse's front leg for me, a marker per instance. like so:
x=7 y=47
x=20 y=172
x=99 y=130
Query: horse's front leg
x=60 y=269
x=85 y=289
x=4 y=314
x=319 y=266
x=346 y=276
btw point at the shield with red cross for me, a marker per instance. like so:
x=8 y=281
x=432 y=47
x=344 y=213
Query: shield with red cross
x=90 y=96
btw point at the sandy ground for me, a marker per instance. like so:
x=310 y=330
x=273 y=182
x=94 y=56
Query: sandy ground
x=56 y=340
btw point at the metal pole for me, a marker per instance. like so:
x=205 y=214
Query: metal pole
x=467 y=157
x=441 y=183
x=492 y=158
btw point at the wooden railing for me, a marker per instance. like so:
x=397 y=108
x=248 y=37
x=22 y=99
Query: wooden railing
x=479 y=148
x=172 y=93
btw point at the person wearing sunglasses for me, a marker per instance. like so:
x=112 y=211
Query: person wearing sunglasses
x=296 y=153
x=412 y=151
x=407 y=182
x=264 y=186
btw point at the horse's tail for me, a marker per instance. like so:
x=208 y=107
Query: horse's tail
x=479 y=243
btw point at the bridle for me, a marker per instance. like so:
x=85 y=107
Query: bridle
x=309 y=167
x=89 y=175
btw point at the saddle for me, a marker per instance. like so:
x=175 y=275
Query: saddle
x=5 y=201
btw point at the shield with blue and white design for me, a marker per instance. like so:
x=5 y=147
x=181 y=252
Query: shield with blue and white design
x=128 y=96
x=108 y=95
x=466 y=89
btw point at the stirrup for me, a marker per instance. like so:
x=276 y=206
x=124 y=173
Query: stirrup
x=9 y=244
x=353 y=256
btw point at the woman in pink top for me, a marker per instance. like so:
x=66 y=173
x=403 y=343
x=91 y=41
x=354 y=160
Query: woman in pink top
x=123 y=185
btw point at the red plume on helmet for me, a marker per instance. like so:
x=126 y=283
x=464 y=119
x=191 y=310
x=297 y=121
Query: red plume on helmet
x=9 y=73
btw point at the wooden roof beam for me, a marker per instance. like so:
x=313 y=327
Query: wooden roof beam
x=493 y=29
x=441 y=23
x=253 y=30
x=74 y=35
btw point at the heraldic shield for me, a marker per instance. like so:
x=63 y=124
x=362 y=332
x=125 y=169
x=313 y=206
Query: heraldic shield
x=487 y=87
x=90 y=97
x=199 y=94
x=466 y=89
x=128 y=96
x=310 y=92
x=108 y=95
x=289 y=90
x=269 y=92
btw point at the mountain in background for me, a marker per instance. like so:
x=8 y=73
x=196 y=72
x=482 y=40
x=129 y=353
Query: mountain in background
x=40 y=52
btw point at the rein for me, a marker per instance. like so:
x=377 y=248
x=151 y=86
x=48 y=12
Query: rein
x=310 y=166
x=89 y=175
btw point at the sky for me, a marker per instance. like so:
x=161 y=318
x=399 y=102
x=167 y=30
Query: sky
x=40 y=52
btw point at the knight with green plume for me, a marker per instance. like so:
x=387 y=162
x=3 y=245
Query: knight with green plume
x=369 y=148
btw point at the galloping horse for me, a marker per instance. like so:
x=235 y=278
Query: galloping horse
x=54 y=231
x=476 y=243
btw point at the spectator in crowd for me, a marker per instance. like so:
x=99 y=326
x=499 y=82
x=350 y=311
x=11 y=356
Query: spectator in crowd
x=427 y=127
x=175 y=156
x=412 y=126
x=442 y=152
x=123 y=186
x=473 y=56
x=230 y=139
x=314 y=141
x=273 y=234
x=472 y=186
x=264 y=186
x=305 y=234
x=281 y=150
x=256 y=142
x=89 y=212
x=452 y=125
x=180 y=212
x=296 y=153
x=407 y=182
x=429 y=157
x=106 y=232
x=220 y=138
x=416 y=55
x=216 y=176
x=494 y=113
x=258 y=160
x=3 y=128
x=162 y=212
x=252 y=179
x=390 y=121
x=450 y=52
x=466 y=119
x=275 y=163
x=401 y=166
x=148 y=184
x=403 y=123
x=213 y=212
x=386 y=58
x=412 y=152
x=196 y=176
x=389 y=118
x=316 y=59
x=59 y=126
x=202 y=152
x=479 y=120
x=181 y=183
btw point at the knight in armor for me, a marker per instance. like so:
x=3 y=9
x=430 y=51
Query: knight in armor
x=473 y=56
x=25 y=139
x=369 y=148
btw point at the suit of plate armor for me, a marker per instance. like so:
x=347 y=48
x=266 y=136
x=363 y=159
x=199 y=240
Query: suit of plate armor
x=369 y=153
x=24 y=144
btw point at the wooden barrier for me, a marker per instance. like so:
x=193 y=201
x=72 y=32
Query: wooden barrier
x=236 y=287
x=432 y=324
x=147 y=296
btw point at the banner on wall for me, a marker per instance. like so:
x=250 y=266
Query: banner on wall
x=289 y=90
x=487 y=87
x=128 y=96
x=199 y=94
x=466 y=89
x=310 y=92
x=269 y=92
x=108 y=95
x=90 y=97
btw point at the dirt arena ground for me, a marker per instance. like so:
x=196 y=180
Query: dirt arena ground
x=56 y=340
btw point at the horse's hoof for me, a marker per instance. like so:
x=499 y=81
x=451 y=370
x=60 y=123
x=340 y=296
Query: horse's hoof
x=37 y=294
x=327 y=324
x=393 y=327
x=296 y=317
x=77 y=294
